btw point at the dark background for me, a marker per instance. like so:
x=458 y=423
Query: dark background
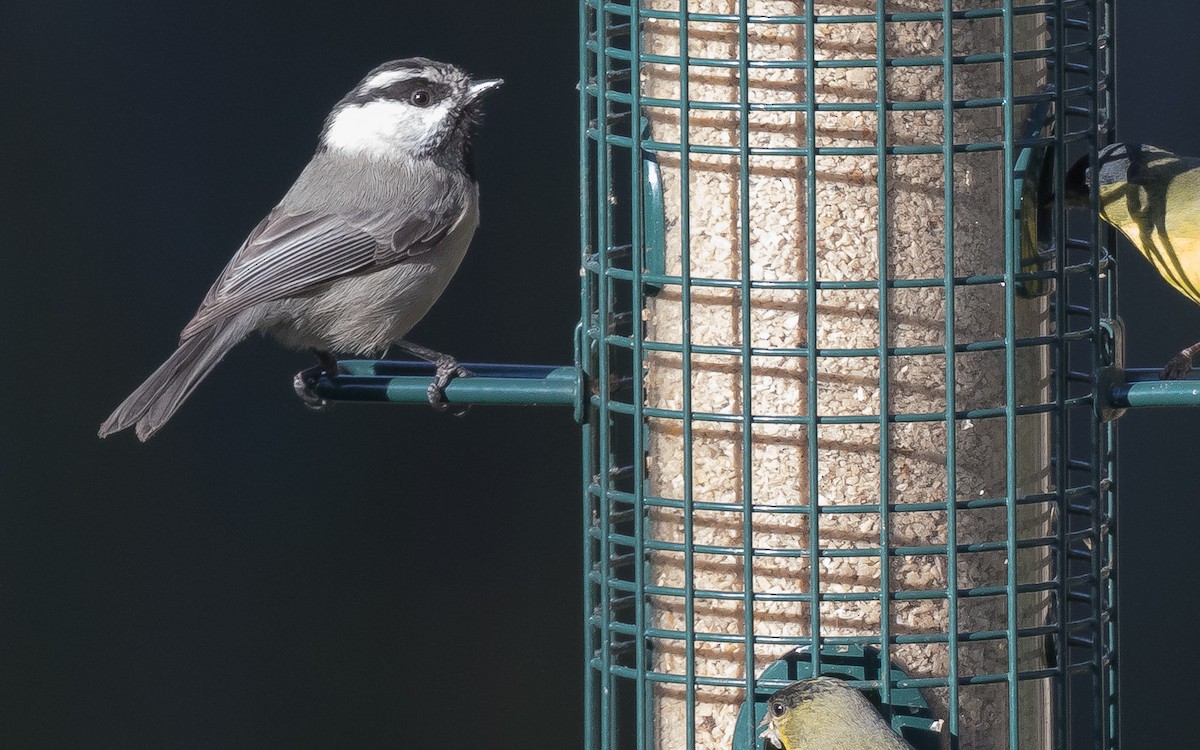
x=262 y=576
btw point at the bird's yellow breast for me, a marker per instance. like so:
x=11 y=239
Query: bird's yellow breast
x=1161 y=218
x=1177 y=259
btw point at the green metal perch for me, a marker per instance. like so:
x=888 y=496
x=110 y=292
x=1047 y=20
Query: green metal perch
x=406 y=382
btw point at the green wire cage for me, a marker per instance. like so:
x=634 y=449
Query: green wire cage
x=848 y=408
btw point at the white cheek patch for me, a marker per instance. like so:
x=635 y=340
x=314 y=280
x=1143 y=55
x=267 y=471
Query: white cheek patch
x=383 y=128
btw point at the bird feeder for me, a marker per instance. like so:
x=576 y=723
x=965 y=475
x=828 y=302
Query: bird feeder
x=857 y=353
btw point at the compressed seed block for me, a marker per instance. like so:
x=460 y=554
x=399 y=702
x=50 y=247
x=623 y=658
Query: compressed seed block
x=774 y=463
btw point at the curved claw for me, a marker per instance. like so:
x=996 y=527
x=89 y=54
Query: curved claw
x=304 y=390
x=1177 y=368
x=447 y=370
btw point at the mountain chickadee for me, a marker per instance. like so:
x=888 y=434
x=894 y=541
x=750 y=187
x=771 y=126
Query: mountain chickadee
x=358 y=250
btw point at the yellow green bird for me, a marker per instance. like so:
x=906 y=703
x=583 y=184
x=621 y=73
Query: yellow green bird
x=1153 y=197
x=825 y=713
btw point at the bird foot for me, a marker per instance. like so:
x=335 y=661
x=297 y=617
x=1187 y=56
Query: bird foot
x=1177 y=367
x=447 y=370
x=305 y=391
x=306 y=388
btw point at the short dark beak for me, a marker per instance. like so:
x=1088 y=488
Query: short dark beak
x=479 y=88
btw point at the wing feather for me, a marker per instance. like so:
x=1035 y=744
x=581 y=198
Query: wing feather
x=290 y=255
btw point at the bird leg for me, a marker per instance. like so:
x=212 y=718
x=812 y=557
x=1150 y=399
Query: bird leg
x=328 y=361
x=447 y=370
x=1181 y=364
x=304 y=389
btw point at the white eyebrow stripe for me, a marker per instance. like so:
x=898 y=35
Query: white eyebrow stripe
x=388 y=77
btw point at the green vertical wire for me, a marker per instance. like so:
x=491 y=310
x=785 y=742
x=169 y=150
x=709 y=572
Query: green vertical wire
x=588 y=466
x=1112 y=693
x=747 y=362
x=881 y=137
x=1093 y=302
x=951 y=376
x=637 y=301
x=604 y=295
x=1097 y=458
x=1010 y=388
x=685 y=248
x=1106 y=544
x=810 y=250
x=1062 y=369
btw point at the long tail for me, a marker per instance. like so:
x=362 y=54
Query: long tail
x=153 y=403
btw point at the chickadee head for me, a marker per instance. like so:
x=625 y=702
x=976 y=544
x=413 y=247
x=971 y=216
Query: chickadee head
x=414 y=107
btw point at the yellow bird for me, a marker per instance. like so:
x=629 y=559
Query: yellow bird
x=825 y=713
x=1153 y=197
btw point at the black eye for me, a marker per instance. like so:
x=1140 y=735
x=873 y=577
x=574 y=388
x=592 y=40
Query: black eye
x=777 y=708
x=421 y=98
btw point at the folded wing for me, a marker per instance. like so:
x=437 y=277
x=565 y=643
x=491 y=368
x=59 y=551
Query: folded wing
x=294 y=254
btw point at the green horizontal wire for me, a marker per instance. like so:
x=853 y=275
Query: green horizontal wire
x=866 y=18
x=668 y=678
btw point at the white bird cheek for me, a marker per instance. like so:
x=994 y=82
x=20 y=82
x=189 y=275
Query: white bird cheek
x=383 y=128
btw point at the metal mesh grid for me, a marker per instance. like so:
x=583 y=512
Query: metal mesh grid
x=699 y=555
